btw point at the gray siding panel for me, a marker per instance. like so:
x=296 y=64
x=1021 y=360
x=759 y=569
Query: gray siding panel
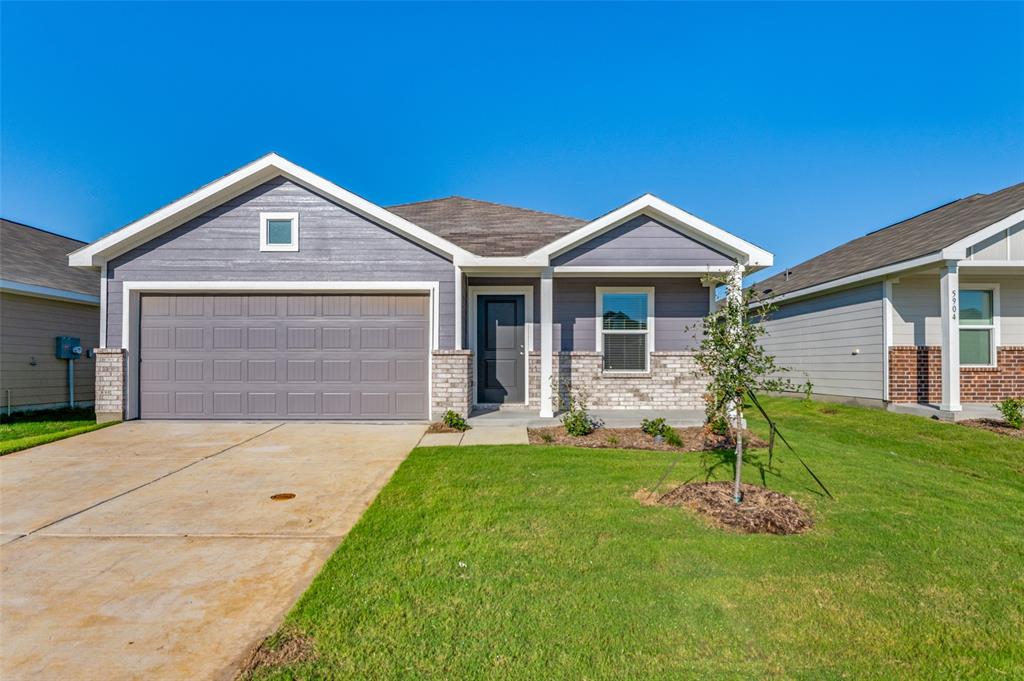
x=816 y=340
x=680 y=305
x=642 y=241
x=335 y=244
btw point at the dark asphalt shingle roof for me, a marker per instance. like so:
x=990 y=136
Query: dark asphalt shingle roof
x=918 y=236
x=488 y=229
x=34 y=256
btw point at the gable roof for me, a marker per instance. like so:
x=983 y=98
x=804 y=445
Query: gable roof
x=485 y=228
x=248 y=176
x=36 y=258
x=926 y=234
x=470 y=232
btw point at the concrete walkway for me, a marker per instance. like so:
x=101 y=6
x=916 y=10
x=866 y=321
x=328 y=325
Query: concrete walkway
x=484 y=435
x=153 y=550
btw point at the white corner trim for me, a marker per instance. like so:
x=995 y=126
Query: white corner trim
x=458 y=307
x=675 y=217
x=599 y=331
x=248 y=176
x=546 y=344
x=292 y=245
x=471 y=324
x=103 y=305
x=887 y=321
x=37 y=291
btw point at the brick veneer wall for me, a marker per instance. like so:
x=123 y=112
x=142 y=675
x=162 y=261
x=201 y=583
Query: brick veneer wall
x=915 y=375
x=674 y=381
x=451 y=382
x=110 y=384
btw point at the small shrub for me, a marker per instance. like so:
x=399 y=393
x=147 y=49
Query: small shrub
x=672 y=437
x=612 y=440
x=1012 y=409
x=719 y=426
x=454 y=420
x=547 y=437
x=808 y=389
x=654 y=427
x=577 y=420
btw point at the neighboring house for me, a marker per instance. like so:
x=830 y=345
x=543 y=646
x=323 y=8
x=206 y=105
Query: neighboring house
x=274 y=293
x=42 y=298
x=929 y=310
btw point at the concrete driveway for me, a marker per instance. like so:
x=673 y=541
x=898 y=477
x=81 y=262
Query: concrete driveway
x=154 y=550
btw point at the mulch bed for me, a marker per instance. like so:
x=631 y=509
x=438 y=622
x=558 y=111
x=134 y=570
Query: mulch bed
x=762 y=511
x=278 y=650
x=995 y=426
x=695 y=439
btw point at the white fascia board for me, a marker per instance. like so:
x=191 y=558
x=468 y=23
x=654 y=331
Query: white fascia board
x=271 y=285
x=469 y=261
x=958 y=250
x=677 y=218
x=1006 y=264
x=235 y=183
x=627 y=270
x=37 y=291
x=929 y=259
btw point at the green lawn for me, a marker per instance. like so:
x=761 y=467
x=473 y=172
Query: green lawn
x=535 y=563
x=28 y=429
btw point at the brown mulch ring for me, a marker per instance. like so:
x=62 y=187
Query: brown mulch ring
x=695 y=439
x=278 y=650
x=440 y=427
x=994 y=426
x=762 y=511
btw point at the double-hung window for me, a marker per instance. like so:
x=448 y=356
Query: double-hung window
x=978 y=319
x=625 y=327
x=279 y=231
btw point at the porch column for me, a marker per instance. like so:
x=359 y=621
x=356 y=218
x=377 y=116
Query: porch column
x=546 y=342
x=950 y=288
x=458 y=307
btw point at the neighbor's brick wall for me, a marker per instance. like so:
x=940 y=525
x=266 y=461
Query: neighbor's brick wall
x=674 y=381
x=451 y=382
x=110 y=384
x=915 y=375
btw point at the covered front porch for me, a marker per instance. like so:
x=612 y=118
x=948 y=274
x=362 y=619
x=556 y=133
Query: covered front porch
x=955 y=337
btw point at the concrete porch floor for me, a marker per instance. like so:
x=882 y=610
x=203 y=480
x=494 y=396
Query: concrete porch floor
x=612 y=418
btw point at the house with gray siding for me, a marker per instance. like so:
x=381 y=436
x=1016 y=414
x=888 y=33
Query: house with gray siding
x=928 y=311
x=41 y=299
x=275 y=293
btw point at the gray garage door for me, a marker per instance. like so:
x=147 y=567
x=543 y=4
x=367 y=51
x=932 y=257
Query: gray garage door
x=284 y=356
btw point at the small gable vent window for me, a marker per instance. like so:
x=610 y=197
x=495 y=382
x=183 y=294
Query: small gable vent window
x=279 y=231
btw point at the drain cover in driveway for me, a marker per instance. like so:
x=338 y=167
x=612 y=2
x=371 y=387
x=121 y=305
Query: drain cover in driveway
x=283 y=496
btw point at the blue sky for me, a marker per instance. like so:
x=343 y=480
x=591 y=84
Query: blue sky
x=797 y=126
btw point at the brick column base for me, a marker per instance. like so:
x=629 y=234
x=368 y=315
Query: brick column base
x=915 y=375
x=110 y=384
x=451 y=382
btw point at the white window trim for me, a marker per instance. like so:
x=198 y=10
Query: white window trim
x=471 y=322
x=267 y=217
x=994 y=327
x=599 y=323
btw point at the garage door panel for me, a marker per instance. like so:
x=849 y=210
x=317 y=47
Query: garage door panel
x=287 y=356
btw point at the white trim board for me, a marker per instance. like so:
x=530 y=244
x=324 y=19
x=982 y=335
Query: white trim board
x=471 y=325
x=248 y=176
x=37 y=291
x=128 y=311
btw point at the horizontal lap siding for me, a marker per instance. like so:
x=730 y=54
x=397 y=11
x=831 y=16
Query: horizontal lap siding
x=29 y=328
x=643 y=242
x=816 y=340
x=916 y=310
x=680 y=305
x=335 y=244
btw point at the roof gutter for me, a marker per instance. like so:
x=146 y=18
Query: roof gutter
x=37 y=291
